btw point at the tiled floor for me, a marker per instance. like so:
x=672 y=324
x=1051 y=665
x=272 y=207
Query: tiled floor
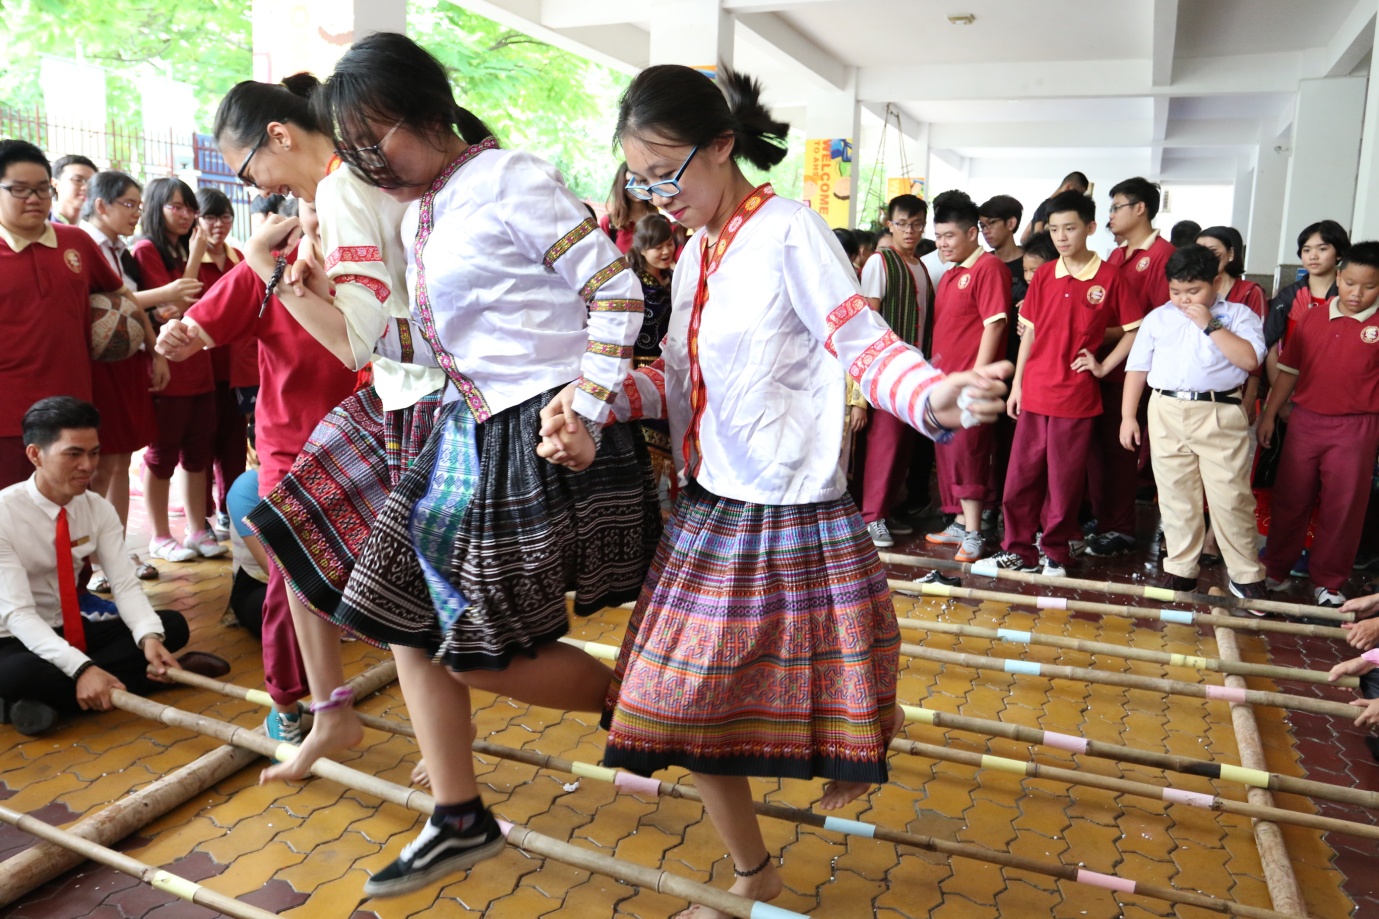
x=305 y=850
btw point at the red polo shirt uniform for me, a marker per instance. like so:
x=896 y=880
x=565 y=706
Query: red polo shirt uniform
x=1068 y=313
x=1142 y=271
x=45 y=291
x=1333 y=438
x=192 y=377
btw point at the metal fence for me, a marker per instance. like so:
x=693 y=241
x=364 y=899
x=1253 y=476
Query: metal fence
x=144 y=155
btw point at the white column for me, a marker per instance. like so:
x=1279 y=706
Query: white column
x=1365 y=224
x=1242 y=197
x=1266 y=210
x=831 y=187
x=1326 y=156
x=696 y=33
x=295 y=35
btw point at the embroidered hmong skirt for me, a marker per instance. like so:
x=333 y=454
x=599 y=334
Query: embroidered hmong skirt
x=764 y=643
x=475 y=548
x=315 y=522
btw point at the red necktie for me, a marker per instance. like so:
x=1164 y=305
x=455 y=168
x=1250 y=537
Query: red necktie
x=72 y=628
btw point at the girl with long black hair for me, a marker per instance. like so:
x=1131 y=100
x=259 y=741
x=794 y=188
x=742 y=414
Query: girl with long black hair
x=764 y=641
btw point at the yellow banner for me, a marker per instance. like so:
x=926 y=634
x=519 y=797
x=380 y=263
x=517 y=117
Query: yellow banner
x=905 y=185
x=828 y=178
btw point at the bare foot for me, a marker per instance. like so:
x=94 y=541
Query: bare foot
x=838 y=793
x=419 y=774
x=763 y=887
x=331 y=731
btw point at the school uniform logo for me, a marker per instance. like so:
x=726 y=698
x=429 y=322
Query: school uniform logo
x=1142 y=264
x=964 y=281
x=73 y=259
x=1095 y=294
x=1369 y=334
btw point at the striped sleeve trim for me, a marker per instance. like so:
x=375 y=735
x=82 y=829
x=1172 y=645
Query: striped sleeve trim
x=1286 y=369
x=610 y=349
x=874 y=391
x=617 y=306
x=920 y=390
x=634 y=399
x=1024 y=321
x=1132 y=326
x=868 y=357
x=566 y=242
x=601 y=393
x=999 y=317
x=353 y=254
x=602 y=277
x=840 y=316
x=380 y=290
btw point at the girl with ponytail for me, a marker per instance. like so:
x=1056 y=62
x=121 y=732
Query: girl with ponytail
x=471 y=542
x=766 y=594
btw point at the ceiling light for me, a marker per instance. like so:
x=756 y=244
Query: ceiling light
x=962 y=19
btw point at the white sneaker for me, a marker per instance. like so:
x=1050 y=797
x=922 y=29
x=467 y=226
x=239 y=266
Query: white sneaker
x=1052 y=569
x=168 y=550
x=1331 y=598
x=880 y=536
x=951 y=535
x=205 y=545
x=1277 y=586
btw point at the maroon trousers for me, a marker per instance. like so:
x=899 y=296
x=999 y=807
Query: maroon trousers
x=1112 y=470
x=884 y=464
x=1330 y=457
x=1045 y=481
x=230 y=446
x=283 y=670
x=964 y=468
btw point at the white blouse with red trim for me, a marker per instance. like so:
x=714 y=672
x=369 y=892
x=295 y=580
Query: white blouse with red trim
x=784 y=317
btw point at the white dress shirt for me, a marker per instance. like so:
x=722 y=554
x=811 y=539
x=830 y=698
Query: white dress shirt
x=112 y=250
x=366 y=261
x=30 y=608
x=785 y=317
x=1181 y=357
x=525 y=292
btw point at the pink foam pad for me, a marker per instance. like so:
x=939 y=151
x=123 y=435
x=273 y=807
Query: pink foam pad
x=1105 y=880
x=1050 y=603
x=504 y=826
x=1065 y=742
x=1226 y=693
x=1193 y=798
x=631 y=784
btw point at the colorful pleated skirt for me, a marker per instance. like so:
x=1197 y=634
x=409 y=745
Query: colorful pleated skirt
x=474 y=550
x=316 y=520
x=764 y=643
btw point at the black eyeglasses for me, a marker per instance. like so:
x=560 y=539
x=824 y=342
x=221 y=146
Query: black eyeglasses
x=371 y=158
x=243 y=167
x=666 y=188
x=25 y=192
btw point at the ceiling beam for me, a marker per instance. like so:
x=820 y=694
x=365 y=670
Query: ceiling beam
x=1138 y=133
x=1352 y=41
x=573 y=14
x=765 y=6
x=1165 y=36
x=797 y=49
x=525 y=16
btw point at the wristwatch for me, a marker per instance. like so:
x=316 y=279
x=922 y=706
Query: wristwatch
x=1215 y=325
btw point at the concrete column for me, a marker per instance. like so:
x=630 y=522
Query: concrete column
x=832 y=181
x=1265 y=230
x=1365 y=224
x=295 y=35
x=696 y=33
x=1325 y=156
x=1242 y=197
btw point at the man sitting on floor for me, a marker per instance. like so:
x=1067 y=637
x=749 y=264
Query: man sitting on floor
x=58 y=653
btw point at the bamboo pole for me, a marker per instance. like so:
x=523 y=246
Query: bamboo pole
x=154 y=877
x=1273 y=853
x=1134 y=681
x=21 y=874
x=1149 y=592
x=656 y=879
x=1182 y=617
x=1190 y=662
x=1154 y=760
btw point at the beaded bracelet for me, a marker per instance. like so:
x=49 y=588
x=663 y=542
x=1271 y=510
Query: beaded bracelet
x=341 y=697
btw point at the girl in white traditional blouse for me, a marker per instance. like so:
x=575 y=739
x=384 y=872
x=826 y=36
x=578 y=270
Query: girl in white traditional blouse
x=764 y=642
x=465 y=571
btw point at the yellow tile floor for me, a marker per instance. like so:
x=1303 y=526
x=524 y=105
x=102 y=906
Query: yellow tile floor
x=324 y=840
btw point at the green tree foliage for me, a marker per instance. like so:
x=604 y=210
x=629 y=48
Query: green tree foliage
x=202 y=42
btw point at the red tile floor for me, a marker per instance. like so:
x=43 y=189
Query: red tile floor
x=305 y=850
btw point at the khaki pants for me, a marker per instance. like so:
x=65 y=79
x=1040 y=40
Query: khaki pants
x=1196 y=446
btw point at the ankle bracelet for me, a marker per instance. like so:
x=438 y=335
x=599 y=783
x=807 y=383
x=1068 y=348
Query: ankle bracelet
x=341 y=697
x=755 y=871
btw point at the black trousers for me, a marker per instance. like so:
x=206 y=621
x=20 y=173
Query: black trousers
x=25 y=675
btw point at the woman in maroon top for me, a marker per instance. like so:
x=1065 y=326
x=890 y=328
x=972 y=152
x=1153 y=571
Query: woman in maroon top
x=185 y=409
x=1229 y=248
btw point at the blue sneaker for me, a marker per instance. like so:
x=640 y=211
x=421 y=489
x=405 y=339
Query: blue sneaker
x=1301 y=568
x=283 y=727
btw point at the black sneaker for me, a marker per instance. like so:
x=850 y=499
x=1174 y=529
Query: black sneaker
x=1255 y=590
x=438 y=852
x=1110 y=545
x=1177 y=582
x=1009 y=561
x=29 y=718
x=937 y=577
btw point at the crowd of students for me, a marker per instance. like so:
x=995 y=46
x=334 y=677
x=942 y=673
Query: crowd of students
x=446 y=337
